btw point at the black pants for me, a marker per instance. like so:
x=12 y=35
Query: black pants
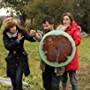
x=51 y=81
x=17 y=79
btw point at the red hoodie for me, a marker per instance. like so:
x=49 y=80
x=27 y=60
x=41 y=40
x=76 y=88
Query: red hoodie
x=74 y=31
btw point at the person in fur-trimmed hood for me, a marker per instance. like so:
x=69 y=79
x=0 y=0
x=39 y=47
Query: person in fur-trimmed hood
x=17 y=60
x=70 y=26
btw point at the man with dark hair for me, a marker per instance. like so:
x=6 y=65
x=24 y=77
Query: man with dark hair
x=49 y=19
x=51 y=76
x=48 y=24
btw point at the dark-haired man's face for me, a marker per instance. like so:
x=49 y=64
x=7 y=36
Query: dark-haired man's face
x=47 y=26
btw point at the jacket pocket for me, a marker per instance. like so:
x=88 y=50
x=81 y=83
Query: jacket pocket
x=10 y=59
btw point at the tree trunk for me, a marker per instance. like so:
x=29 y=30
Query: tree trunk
x=23 y=19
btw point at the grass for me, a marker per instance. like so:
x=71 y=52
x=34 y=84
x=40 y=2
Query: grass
x=35 y=79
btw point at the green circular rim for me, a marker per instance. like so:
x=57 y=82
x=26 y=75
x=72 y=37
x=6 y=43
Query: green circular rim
x=55 y=64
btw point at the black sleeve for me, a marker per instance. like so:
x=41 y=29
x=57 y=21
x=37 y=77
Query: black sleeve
x=28 y=37
x=10 y=44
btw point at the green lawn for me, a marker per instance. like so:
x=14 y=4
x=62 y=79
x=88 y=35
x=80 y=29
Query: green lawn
x=35 y=79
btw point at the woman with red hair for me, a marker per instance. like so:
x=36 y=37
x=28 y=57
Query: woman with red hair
x=70 y=26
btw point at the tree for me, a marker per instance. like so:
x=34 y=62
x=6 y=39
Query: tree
x=37 y=9
x=81 y=12
x=19 y=5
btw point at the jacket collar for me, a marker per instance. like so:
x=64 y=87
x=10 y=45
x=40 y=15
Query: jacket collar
x=10 y=35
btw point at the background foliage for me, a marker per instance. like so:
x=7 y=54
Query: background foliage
x=37 y=9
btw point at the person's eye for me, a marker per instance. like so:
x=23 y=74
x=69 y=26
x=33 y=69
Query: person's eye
x=67 y=19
